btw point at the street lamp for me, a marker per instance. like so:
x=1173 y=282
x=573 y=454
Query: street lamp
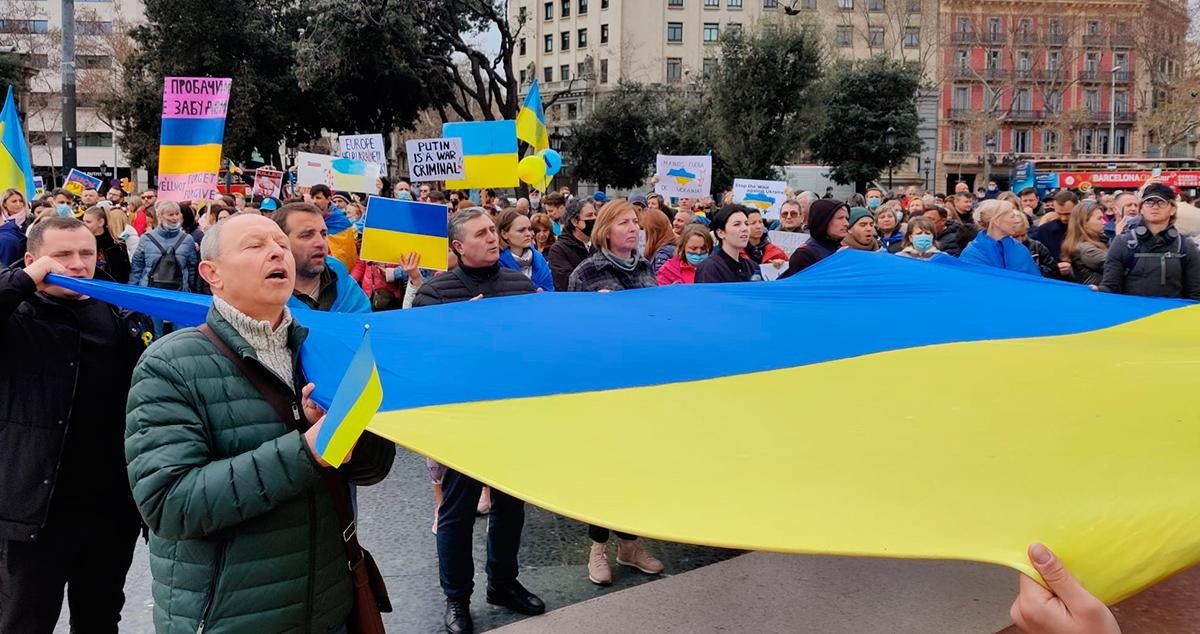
x=989 y=146
x=1112 y=112
x=926 y=162
x=889 y=137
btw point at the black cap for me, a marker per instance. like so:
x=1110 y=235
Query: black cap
x=1158 y=190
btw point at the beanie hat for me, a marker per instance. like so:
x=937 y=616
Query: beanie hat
x=858 y=213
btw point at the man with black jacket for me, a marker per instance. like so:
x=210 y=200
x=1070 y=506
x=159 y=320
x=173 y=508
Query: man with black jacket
x=1152 y=258
x=573 y=246
x=67 y=516
x=474 y=240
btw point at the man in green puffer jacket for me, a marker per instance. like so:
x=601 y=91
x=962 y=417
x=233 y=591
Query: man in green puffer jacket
x=244 y=534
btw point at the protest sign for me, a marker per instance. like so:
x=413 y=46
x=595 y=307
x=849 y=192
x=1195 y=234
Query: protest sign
x=787 y=240
x=77 y=181
x=435 y=159
x=193 y=129
x=39 y=186
x=684 y=176
x=364 y=147
x=340 y=174
x=765 y=196
x=394 y=228
x=769 y=271
x=267 y=183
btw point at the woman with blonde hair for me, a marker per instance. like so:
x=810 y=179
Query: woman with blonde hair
x=111 y=254
x=14 y=218
x=616 y=264
x=1084 y=248
x=996 y=247
x=118 y=223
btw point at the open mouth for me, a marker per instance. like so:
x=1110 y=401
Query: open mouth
x=277 y=274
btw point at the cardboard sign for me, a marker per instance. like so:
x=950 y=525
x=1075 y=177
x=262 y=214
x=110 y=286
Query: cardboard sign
x=340 y=174
x=684 y=176
x=765 y=196
x=435 y=159
x=787 y=240
x=267 y=183
x=77 y=181
x=193 y=129
x=364 y=147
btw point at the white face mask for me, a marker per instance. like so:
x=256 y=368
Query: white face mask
x=170 y=226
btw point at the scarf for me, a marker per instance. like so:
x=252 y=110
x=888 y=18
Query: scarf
x=270 y=345
x=19 y=217
x=625 y=265
x=525 y=262
x=850 y=243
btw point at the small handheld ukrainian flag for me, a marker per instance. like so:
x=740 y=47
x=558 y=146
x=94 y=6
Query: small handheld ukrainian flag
x=354 y=404
x=16 y=170
x=531 y=121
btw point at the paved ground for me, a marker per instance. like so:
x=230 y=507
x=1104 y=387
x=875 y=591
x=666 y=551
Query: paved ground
x=394 y=523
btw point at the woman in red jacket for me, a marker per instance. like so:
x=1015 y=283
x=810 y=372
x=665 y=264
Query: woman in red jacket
x=694 y=246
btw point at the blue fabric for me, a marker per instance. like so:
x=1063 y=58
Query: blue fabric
x=11 y=239
x=147 y=254
x=337 y=221
x=420 y=360
x=541 y=275
x=350 y=296
x=1006 y=253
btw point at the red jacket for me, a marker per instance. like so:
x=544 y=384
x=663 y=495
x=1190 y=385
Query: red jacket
x=139 y=221
x=676 y=271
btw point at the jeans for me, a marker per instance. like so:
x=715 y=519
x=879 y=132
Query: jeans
x=456 y=524
x=600 y=535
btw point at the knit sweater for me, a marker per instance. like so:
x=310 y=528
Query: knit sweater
x=271 y=346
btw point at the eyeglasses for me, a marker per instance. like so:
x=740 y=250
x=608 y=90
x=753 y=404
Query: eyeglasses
x=789 y=214
x=147 y=197
x=1155 y=203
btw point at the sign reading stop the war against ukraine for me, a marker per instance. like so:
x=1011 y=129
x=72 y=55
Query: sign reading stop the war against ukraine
x=193 y=129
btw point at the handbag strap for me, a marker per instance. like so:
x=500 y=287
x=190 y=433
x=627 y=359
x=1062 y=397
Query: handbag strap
x=285 y=407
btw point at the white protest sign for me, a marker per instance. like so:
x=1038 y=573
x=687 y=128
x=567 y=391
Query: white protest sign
x=364 y=147
x=787 y=240
x=684 y=176
x=341 y=174
x=765 y=196
x=435 y=159
x=770 y=273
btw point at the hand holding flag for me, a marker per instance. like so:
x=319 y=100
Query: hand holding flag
x=332 y=437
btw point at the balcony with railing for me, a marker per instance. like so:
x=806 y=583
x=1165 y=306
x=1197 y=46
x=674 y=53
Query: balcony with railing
x=1123 y=40
x=963 y=37
x=1105 y=76
x=1095 y=39
x=1056 y=39
x=1104 y=116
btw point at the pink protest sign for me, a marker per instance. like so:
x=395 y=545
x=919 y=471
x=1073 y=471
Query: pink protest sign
x=195 y=97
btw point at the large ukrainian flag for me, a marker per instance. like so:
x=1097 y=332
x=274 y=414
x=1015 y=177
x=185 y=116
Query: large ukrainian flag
x=489 y=153
x=872 y=405
x=16 y=170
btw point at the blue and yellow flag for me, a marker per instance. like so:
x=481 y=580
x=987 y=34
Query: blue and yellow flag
x=836 y=412
x=531 y=121
x=16 y=169
x=394 y=228
x=489 y=153
x=354 y=403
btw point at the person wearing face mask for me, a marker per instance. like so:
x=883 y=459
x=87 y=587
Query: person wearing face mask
x=861 y=235
x=992 y=191
x=14 y=218
x=828 y=224
x=535 y=202
x=919 y=240
x=573 y=244
x=516 y=237
x=728 y=263
x=874 y=199
x=166 y=240
x=695 y=245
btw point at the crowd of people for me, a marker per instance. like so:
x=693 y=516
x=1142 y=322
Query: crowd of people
x=191 y=437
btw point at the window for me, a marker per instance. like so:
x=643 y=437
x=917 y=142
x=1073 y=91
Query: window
x=846 y=5
x=961 y=99
x=875 y=5
x=603 y=4
x=583 y=70
x=1024 y=61
x=712 y=32
x=1122 y=28
x=524 y=76
x=963 y=25
x=1054 y=61
x=572 y=111
x=1121 y=61
x=992 y=59
x=566 y=8
x=1055 y=27
x=913 y=6
x=875 y=36
x=548 y=11
x=992 y=98
x=1093 y=27
x=564 y=72
x=1121 y=101
x=1022 y=100
x=548 y=44
x=712 y=4
x=674 y=69
x=1049 y=141
x=912 y=36
x=85 y=62
x=1121 y=143
x=581 y=38
x=1087 y=142
x=1091 y=63
x=1025 y=26
x=675 y=3
x=961 y=61
x=1054 y=101
x=994 y=26
x=733 y=4
x=93 y=28
x=95 y=139
x=709 y=67
x=960 y=141
x=604 y=71
x=770 y=4
x=1020 y=140
x=734 y=28
x=1091 y=100
x=674 y=31
x=604 y=34
x=564 y=41
x=583 y=7
x=521 y=46
x=548 y=74
x=26 y=26
x=808 y=4
x=844 y=35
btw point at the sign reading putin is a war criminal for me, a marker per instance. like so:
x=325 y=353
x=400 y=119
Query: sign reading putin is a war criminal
x=193 y=129
x=435 y=159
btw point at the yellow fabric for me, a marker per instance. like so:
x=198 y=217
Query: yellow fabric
x=355 y=421
x=1089 y=443
x=487 y=170
x=379 y=245
x=344 y=247
x=189 y=159
x=531 y=130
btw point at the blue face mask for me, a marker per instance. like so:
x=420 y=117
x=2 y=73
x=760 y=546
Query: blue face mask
x=899 y=216
x=923 y=242
x=872 y=202
x=696 y=258
x=64 y=210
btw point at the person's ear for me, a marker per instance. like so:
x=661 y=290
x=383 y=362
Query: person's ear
x=29 y=258
x=210 y=273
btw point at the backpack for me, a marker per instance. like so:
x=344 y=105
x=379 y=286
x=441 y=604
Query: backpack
x=166 y=272
x=1131 y=254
